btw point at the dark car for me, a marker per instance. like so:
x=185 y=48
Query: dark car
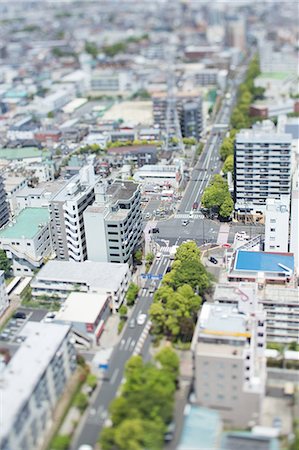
x=155 y=230
x=19 y=315
x=195 y=206
x=168 y=269
x=213 y=260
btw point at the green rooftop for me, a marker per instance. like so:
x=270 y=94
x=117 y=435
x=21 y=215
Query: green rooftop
x=23 y=153
x=26 y=224
x=274 y=75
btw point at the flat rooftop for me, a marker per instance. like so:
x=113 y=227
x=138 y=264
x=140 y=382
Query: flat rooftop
x=27 y=224
x=135 y=112
x=20 y=376
x=82 y=307
x=245 y=440
x=97 y=275
x=201 y=429
x=221 y=319
x=250 y=261
x=23 y=153
x=122 y=190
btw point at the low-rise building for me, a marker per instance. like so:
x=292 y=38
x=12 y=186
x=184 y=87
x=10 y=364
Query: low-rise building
x=160 y=174
x=32 y=383
x=26 y=240
x=113 y=223
x=59 y=278
x=230 y=369
x=86 y=313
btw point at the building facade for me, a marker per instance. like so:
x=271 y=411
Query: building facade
x=26 y=240
x=4 y=302
x=262 y=168
x=66 y=210
x=113 y=224
x=32 y=383
x=4 y=210
x=230 y=369
x=277 y=216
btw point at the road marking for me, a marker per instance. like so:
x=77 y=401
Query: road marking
x=132 y=344
x=128 y=343
x=114 y=376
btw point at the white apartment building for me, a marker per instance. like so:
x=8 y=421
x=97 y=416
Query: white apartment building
x=26 y=240
x=32 y=383
x=277 y=215
x=38 y=197
x=111 y=82
x=262 y=167
x=230 y=370
x=280 y=304
x=3 y=294
x=66 y=210
x=113 y=224
x=59 y=278
x=294 y=229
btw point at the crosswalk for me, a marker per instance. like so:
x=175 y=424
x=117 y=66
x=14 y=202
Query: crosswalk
x=187 y=216
x=164 y=249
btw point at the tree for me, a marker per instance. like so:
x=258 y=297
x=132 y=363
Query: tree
x=228 y=165
x=188 y=251
x=138 y=256
x=91 y=48
x=107 y=439
x=132 y=294
x=150 y=258
x=123 y=310
x=227 y=148
x=61 y=442
x=169 y=361
x=91 y=380
x=81 y=401
x=50 y=115
x=227 y=207
x=5 y=263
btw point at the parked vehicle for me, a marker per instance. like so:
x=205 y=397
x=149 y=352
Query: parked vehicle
x=185 y=223
x=195 y=206
x=19 y=315
x=141 y=319
x=213 y=260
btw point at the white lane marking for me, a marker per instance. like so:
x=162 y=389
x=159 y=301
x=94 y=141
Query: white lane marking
x=114 y=376
x=128 y=343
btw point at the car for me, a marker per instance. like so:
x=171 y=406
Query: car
x=155 y=230
x=158 y=255
x=50 y=316
x=213 y=260
x=169 y=434
x=132 y=323
x=276 y=423
x=168 y=269
x=19 y=315
x=4 y=336
x=148 y=215
x=141 y=319
x=195 y=205
x=85 y=447
x=185 y=222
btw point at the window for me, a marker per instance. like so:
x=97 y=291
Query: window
x=272 y=229
x=272 y=220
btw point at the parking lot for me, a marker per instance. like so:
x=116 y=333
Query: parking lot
x=12 y=332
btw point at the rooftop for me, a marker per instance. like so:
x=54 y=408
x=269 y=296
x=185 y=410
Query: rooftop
x=23 y=153
x=27 y=224
x=97 y=275
x=82 y=307
x=222 y=319
x=26 y=367
x=245 y=440
x=264 y=261
x=201 y=429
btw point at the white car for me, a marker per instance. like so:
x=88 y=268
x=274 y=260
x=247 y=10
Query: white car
x=141 y=319
x=185 y=222
x=50 y=316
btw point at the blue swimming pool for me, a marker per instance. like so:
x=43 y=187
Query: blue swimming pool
x=262 y=261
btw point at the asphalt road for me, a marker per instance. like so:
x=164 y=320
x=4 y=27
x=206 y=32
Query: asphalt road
x=98 y=411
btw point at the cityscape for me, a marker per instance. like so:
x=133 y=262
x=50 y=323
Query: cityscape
x=149 y=225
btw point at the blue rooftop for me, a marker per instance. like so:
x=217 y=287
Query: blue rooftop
x=264 y=262
x=201 y=431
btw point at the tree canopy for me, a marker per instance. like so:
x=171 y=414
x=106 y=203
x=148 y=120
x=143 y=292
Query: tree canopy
x=228 y=165
x=217 y=196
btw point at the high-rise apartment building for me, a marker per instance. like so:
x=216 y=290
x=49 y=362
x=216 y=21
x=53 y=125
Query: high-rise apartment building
x=4 y=211
x=236 y=32
x=189 y=113
x=66 y=210
x=113 y=224
x=262 y=167
x=294 y=224
x=277 y=216
x=230 y=370
x=32 y=382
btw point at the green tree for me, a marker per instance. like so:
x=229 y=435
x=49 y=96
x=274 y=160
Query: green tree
x=91 y=48
x=81 y=401
x=61 y=442
x=169 y=361
x=188 y=251
x=91 y=380
x=123 y=311
x=5 y=263
x=107 y=439
x=227 y=207
x=228 y=165
x=50 y=115
x=138 y=256
x=227 y=148
x=150 y=258
x=132 y=294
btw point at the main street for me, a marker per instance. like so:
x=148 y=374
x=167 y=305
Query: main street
x=133 y=340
